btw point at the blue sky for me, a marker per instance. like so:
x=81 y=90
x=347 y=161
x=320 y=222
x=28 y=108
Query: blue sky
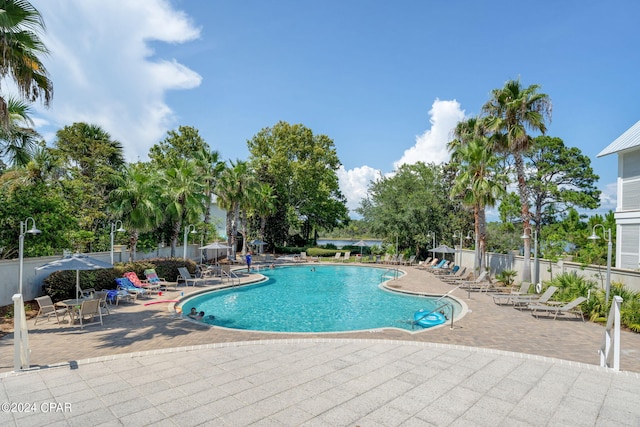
x=385 y=80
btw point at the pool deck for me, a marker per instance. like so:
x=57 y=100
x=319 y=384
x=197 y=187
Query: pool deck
x=497 y=365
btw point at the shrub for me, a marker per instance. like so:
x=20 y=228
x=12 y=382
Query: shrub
x=507 y=277
x=61 y=285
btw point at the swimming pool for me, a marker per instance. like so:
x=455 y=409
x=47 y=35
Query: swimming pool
x=314 y=299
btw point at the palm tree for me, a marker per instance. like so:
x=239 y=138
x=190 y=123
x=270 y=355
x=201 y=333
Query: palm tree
x=479 y=180
x=135 y=200
x=211 y=167
x=183 y=196
x=234 y=190
x=512 y=111
x=18 y=139
x=21 y=47
x=263 y=206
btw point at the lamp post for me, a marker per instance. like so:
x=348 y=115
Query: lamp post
x=113 y=233
x=432 y=234
x=454 y=236
x=188 y=229
x=475 y=251
x=606 y=233
x=535 y=251
x=23 y=230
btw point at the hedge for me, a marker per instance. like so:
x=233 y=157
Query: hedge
x=61 y=285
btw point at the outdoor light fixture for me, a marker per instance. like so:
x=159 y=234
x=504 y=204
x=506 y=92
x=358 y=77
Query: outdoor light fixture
x=475 y=252
x=433 y=235
x=112 y=234
x=188 y=229
x=23 y=230
x=607 y=235
x=460 y=249
x=535 y=251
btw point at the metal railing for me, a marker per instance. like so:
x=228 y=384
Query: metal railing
x=394 y=276
x=446 y=304
x=610 y=350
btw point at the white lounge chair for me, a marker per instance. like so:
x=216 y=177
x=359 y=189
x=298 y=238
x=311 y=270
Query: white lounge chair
x=506 y=298
x=570 y=307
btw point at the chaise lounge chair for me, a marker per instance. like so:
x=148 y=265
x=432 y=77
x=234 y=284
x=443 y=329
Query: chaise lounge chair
x=185 y=276
x=524 y=302
x=126 y=285
x=149 y=287
x=506 y=298
x=570 y=307
x=152 y=278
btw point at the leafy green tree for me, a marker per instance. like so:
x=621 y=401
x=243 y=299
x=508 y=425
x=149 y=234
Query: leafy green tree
x=511 y=111
x=479 y=181
x=210 y=165
x=21 y=49
x=135 y=200
x=410 y=205
x=92 y=161
x=22 y=197
x=559 y=178
x=301 y=168
x=182 y=144
x=509 y=208
x=182 y=196
x=18 y=138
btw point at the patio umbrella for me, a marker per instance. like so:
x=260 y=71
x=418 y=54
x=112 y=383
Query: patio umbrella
x=75 y=262
x=362 y=244
x=443 y=249
x=258 y=242
x=216 y=246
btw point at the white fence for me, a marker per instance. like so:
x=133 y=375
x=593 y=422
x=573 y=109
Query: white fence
x=33 y=280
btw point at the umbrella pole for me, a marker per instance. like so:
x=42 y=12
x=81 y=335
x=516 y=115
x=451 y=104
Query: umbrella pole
x=77 y=284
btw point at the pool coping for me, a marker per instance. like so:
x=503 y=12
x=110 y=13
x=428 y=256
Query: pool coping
x=214 y=288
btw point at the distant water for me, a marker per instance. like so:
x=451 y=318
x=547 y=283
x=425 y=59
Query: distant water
x=341 y=243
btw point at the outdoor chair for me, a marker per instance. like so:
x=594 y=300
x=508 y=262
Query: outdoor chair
x=133 y=278
x=152 y=278
x=347 y=256
x=337 y=257
x=102 y=297
x=89 y=309
x=47 y=309
x=126 y=285
x=525 y=302
x=185 y=276
x=570 y=307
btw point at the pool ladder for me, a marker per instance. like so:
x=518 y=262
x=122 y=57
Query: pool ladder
x=445 y=305
x=390 y=273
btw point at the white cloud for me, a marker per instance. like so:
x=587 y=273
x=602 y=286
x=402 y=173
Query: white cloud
x=431 y=146
x=609 y=197
x=354 y=183
x=104 y=70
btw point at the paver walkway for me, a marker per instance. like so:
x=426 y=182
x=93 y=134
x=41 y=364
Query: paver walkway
x=385 y=377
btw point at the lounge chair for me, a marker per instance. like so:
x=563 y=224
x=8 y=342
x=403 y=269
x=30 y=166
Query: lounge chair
x=337 y=257
x=479 y=284
x=116 y=295
x=460 y=274
x=89 y=308
x=410 y=261
x=347 y=256
x=428 y=265
x=185 y=276
x=152 y=278
x=444 y=272
x=506 y=298
x=570 y=307
x=149 y=287
x=47 y=309
x=523 y=302
x=126 y=285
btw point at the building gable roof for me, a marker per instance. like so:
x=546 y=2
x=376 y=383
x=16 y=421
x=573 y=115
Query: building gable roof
x=629 y=139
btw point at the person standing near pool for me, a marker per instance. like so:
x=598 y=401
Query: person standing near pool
x=248 y=260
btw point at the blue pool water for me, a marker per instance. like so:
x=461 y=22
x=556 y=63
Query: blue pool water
x=313 y=299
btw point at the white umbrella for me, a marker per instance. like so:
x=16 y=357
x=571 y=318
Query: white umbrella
x=362 y=244
x=75 y=262
x=216 y=246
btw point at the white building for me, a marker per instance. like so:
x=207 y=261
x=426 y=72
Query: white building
x=627 y=213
